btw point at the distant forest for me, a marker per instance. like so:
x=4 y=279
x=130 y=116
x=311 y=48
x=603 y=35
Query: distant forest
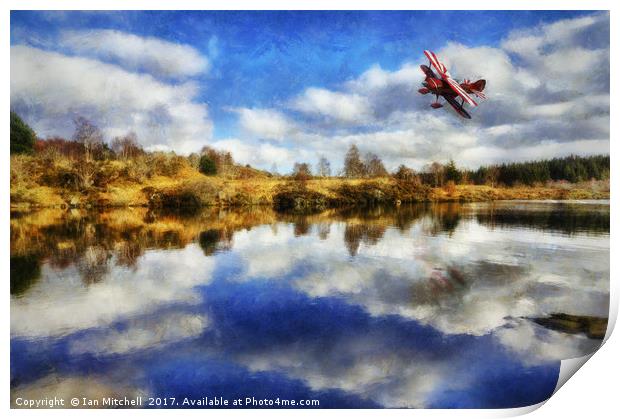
x=572 y=169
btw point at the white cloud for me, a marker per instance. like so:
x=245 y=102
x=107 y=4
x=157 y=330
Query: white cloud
x=504 y=78
x=530 y=42
x=149 y=54
x=546 y=150
x=535 y=344
x=391 y=378
x=570 y=55
x=410 y=138
x=265 y=123
x=141 y=334
x=258 y=154
x=49 y=88
x=333 y=105
x=377 y=78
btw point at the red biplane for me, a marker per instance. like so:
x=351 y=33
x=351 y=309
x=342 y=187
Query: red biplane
x=448 y=88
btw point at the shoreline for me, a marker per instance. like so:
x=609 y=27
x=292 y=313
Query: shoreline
x=291 y=196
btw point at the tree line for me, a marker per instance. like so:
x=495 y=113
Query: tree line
x=572 y=169
x=87 y=145
x=355 y=166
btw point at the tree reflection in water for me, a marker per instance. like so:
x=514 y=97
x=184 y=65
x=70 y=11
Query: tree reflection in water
x=91 y=239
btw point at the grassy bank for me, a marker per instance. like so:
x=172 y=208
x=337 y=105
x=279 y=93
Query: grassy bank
x=37 y=182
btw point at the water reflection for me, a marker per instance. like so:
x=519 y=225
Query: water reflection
x=25 y=271
x=416 y=306
x=369 y=234
x=568 y=218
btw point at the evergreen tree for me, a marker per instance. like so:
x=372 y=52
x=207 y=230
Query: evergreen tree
x=23 y=137
x=207 y=165
x=571 y=169
x=452 y=173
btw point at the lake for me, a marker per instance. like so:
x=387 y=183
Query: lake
x=421 y=306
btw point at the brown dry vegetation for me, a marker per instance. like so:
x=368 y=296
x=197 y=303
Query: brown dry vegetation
x=162 y=180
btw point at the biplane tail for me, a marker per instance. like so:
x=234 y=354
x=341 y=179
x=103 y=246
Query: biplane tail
x=479 y=85
x=476 y=88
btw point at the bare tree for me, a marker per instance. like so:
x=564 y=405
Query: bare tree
x=374 y=166
x=323 y=168
x=127 y=147
x=353 y=166
x=491 y=175
x=87 y=134
x=437 y=170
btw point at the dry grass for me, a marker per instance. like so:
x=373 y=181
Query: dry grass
x=472 y=193
x=45 y=181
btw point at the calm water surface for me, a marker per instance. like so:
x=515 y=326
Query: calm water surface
x=417 y=306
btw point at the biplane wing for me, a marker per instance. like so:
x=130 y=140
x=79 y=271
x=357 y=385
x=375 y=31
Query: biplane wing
x=457 y=107
x=432 y=58
x=427 y=71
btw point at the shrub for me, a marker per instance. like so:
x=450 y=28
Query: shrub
x=405 y=174
x=54 y=146
x=301 y=172
x=223 y=160
x=292 y=198
x=207 y=166
x=165 y=164
x=136 y=170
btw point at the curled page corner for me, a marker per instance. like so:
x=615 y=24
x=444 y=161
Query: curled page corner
x=568 y=367
x=520 y=411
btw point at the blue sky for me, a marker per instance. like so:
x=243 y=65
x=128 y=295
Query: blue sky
x=253 y=90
